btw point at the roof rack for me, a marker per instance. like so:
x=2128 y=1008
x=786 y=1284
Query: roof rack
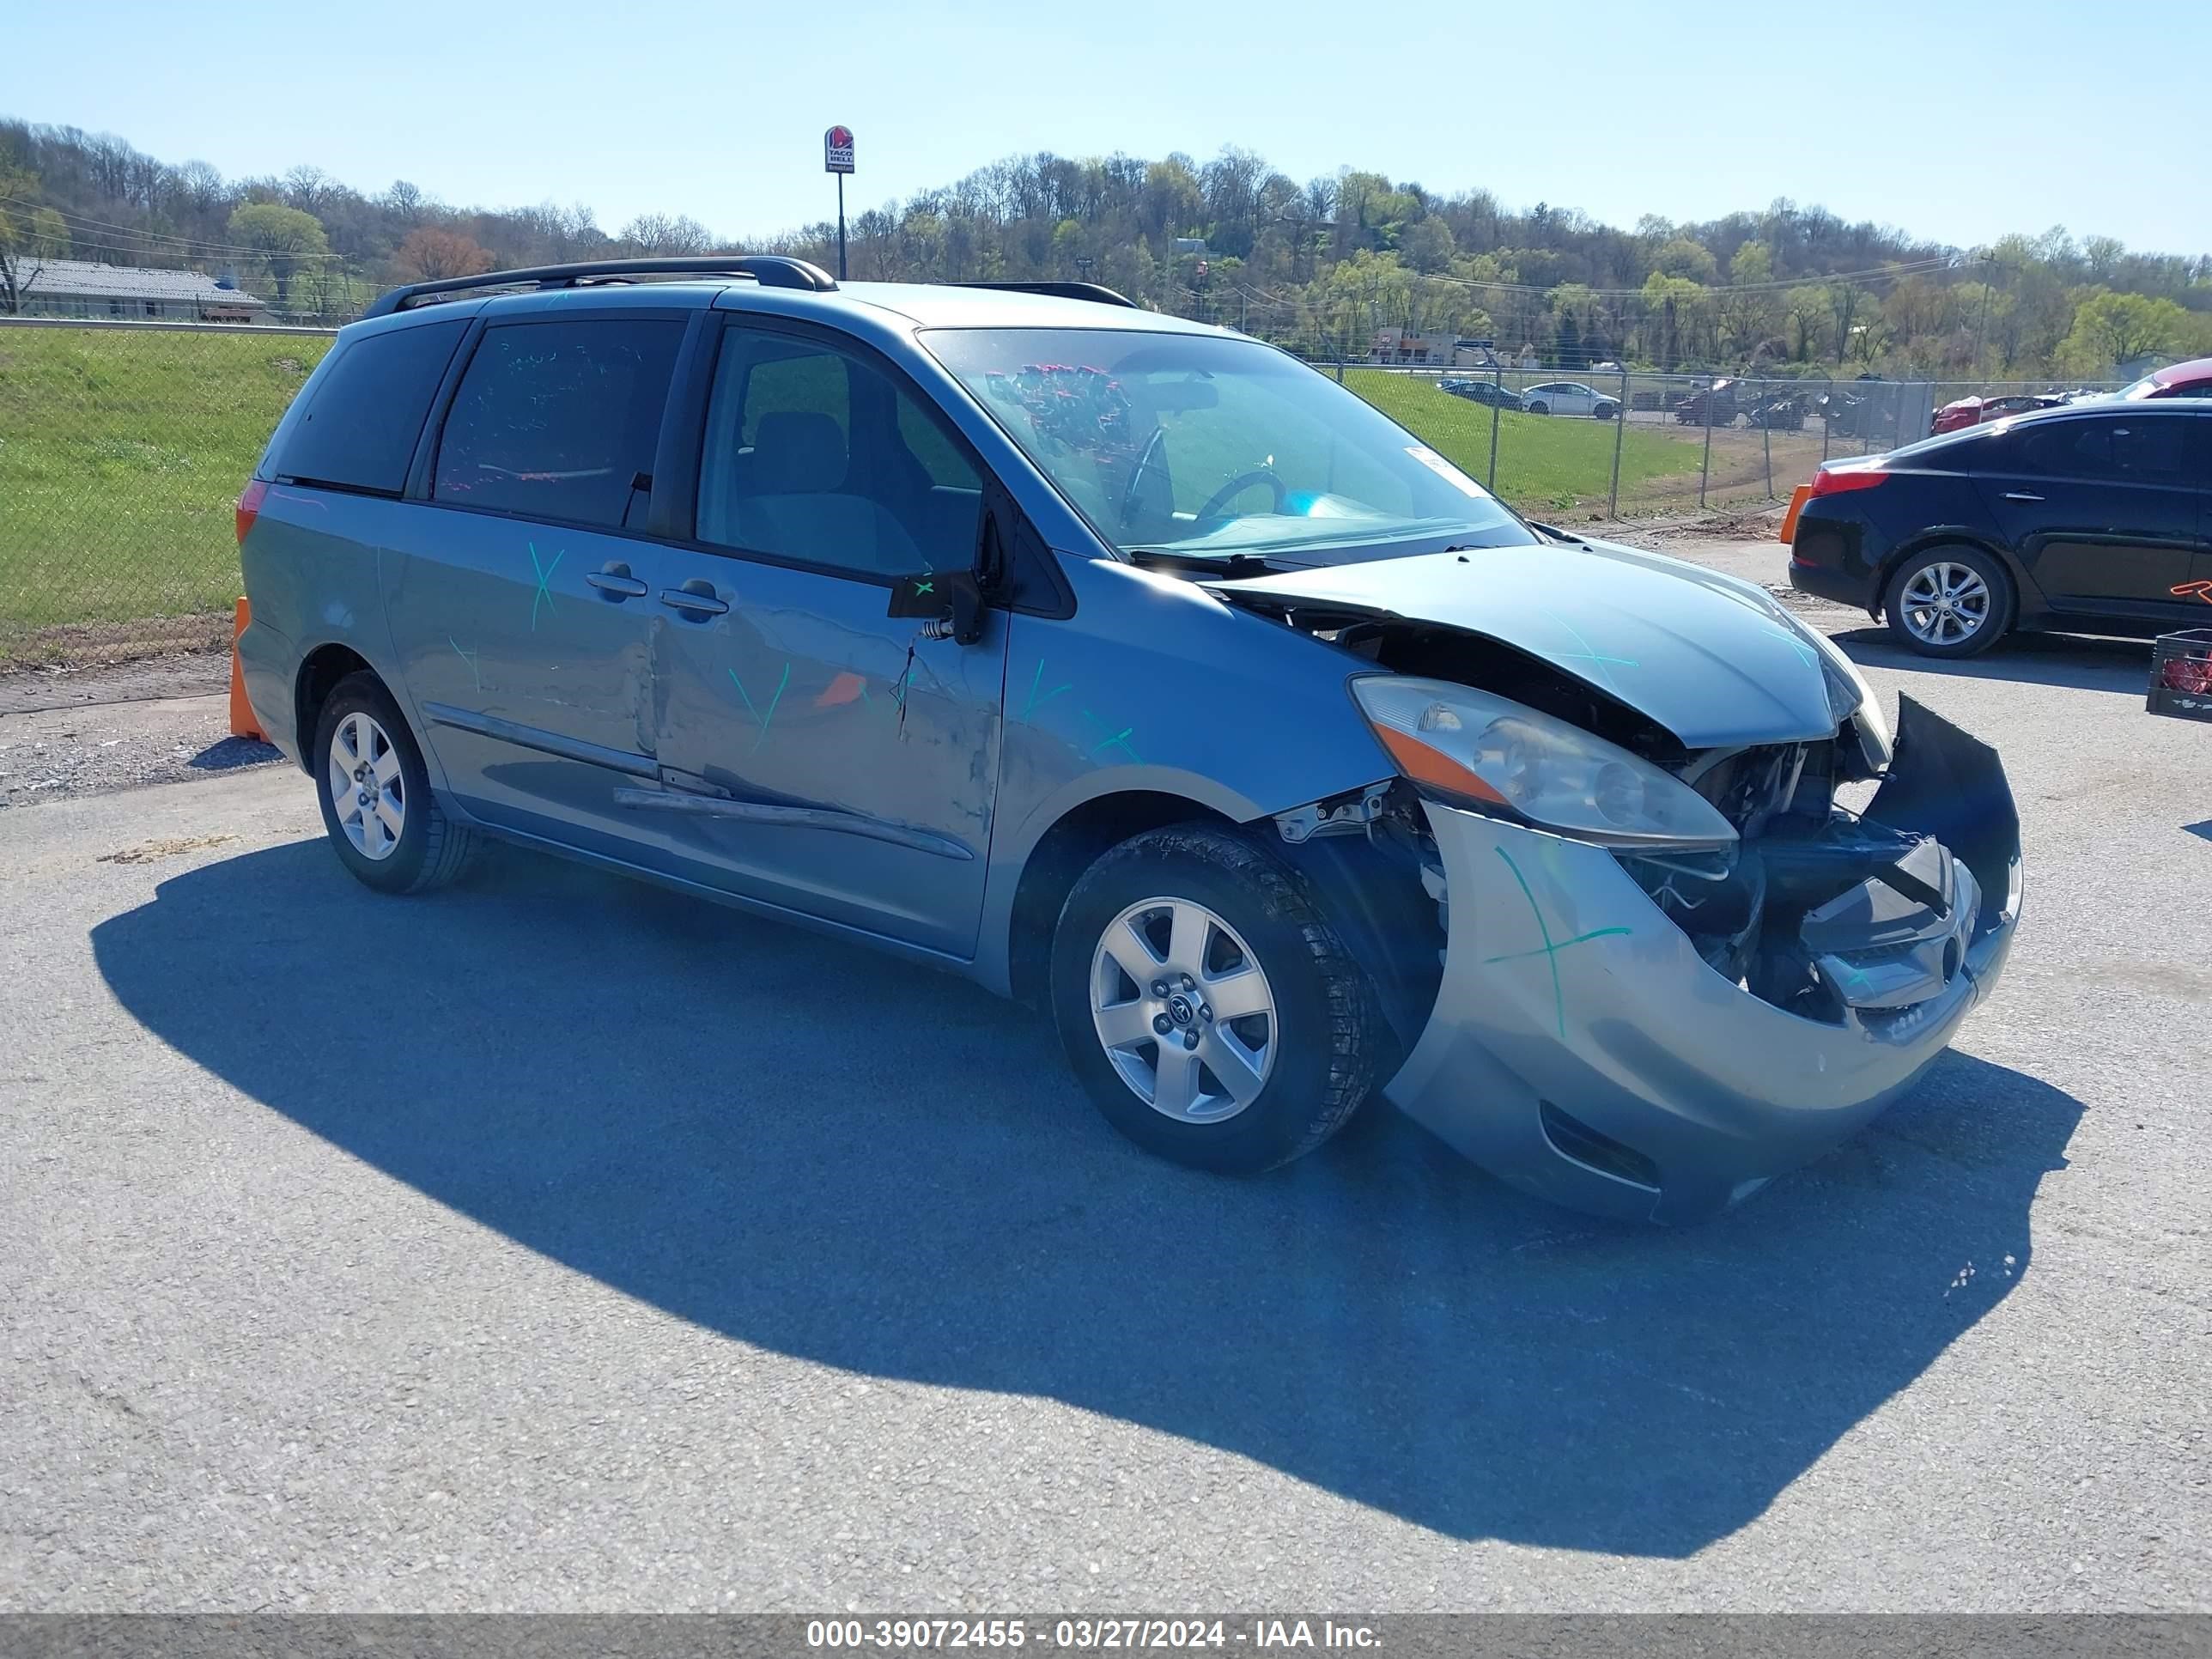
x=1092 y=291
x=768 y=270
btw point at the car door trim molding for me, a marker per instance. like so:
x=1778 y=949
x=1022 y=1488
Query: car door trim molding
x=797 y=817
x=538 y=737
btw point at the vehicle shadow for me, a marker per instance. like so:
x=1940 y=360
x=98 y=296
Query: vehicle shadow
x=2083 y=662
x=823 y=1152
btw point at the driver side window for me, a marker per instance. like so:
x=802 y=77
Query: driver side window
x=816 y=456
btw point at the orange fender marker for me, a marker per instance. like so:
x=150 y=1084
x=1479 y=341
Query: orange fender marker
x=1797 y=499
x=847 y=687
x=242 y=723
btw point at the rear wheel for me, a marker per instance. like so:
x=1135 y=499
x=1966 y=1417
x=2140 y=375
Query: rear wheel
x=1949 y=602
x=1210 y=1011
x=384 y=823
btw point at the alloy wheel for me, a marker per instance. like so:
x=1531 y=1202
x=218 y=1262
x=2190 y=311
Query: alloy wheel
x=1183 y=1009
x=1944 y=603
x=368 y=791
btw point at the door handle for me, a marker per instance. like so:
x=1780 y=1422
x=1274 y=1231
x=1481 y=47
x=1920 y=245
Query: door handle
x=700 y=601
x=2021 y=496
x=616 y=582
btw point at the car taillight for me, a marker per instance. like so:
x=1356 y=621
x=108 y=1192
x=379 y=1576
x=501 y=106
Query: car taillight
x=1835 y=480
x=249 y=505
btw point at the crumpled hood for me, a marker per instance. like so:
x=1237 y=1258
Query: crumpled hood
x=1714 y=659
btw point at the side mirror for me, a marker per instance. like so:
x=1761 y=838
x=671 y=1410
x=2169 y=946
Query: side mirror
x=950 y=603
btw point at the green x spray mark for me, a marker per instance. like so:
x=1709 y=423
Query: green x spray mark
x=1120 y=740
x=544 y=594
x=468 y=657
x=1604 y=664
x=772 y=701
x=1035 y=702
x=1548 y=949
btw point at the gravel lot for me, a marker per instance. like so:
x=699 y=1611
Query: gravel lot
x=557 y=1243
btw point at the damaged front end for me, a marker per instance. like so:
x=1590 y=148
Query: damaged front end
x=1821 y=911
x=1675 y=961
x=1656 y=1037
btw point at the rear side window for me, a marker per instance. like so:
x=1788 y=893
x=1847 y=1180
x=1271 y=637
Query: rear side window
x=360 y=431
x=2142 y=449
x=559 y=420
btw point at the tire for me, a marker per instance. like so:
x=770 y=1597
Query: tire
x=1319 y=1043
x=1607 y=411
x=1536 y=408
x=1922 y=574
x=361 y=725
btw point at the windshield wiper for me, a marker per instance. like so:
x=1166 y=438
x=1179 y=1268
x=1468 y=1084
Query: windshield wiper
x=1214 y=564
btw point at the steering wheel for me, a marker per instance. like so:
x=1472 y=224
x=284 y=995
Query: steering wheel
x=1218 y=502
x=1137 y=474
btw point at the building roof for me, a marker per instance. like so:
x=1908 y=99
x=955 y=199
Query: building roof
x=81 y=279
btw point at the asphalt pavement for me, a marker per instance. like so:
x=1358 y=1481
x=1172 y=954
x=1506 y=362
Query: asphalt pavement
x=554 y=1243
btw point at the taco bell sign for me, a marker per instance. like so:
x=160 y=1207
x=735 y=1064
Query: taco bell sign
x=837 y=150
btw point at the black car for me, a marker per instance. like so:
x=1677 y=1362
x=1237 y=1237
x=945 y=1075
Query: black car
x=2094 y=517
x=1482 y=392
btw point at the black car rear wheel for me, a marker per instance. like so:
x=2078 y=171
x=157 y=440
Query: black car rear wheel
x=1950 y=601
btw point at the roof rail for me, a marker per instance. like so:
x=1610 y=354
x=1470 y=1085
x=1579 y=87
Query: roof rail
x=1093 y=291
x=769 y=269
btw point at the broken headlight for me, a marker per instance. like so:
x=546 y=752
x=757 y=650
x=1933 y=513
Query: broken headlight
x=1850 y=698
x=1484 y=751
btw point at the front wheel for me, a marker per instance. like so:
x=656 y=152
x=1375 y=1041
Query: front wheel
x=1538 y=409
x=1208 y=1008
x=1949 y=602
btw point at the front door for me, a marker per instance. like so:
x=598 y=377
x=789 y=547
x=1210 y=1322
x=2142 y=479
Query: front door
x=2103 y=511
x=519 y=607
x=840 y=764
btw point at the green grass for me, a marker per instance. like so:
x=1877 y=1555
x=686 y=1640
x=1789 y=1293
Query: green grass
x=121 y=454
x=1543 y=460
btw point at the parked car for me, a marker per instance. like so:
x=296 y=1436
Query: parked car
x=1569 y=397
x=1482 y=392
x=1132 y=668
x=1972 y=411
x=2094 y=516
x=2191 y=379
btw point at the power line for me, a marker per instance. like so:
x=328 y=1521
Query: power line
x=181 y=246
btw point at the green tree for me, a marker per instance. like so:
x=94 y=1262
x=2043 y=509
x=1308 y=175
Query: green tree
x=2111 y=331
x=1750 y=309
x=288 y=239
x=1683 y=258
x=1807 y=308
x=22 y=255
x=1428 y=245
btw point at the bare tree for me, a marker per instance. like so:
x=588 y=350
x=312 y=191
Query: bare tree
x=405 y=202
x=307 y=188
x=660 y=233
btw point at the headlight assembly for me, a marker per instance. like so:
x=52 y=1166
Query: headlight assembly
x=1485 y=752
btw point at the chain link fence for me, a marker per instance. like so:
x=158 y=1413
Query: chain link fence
x=123 y=447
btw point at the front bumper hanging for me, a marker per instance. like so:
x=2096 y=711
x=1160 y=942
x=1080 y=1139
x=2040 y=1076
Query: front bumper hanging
x=1582 y=1049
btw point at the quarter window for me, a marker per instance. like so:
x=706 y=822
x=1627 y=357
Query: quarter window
x=367 y=409
x=816 y=455
x=559 y=420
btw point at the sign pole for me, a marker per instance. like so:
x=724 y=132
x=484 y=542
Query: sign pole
x=837 y=158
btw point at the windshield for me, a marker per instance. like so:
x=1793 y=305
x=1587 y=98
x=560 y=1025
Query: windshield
x=1206 y=445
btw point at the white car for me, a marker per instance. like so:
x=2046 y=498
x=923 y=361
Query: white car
x=1569 y=397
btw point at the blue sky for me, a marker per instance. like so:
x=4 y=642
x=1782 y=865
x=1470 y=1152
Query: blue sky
x=1955 y=119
